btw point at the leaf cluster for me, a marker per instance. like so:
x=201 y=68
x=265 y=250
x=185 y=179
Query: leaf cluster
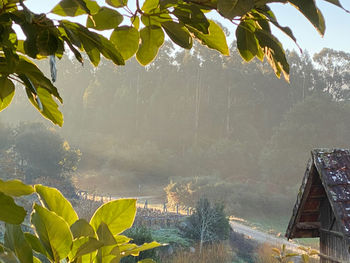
x=60 y=234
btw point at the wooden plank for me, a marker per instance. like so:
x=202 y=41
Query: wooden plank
x=339 y=234
x=309 y=173
x=308 y=225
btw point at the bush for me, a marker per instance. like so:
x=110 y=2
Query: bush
x=171 y=236
x=208 y=223
x=139 y=235
x=58 y=234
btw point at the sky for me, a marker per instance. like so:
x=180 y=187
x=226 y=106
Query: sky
x=337 y=25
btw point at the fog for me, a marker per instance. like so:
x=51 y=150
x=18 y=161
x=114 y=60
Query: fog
x=192 y=124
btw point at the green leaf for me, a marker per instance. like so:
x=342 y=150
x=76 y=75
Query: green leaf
x=178 y=34
x=10 y=212
x=94 y=44
x=15 y=188
x=14 y=240
x=306 y=258
x=163 y=4
x=126 y=39
x=147 y=260
x=136 y=251
x=106 y=18
x=215 y=38
x=232 y=8
x=136 y=22
x=46 y=42
x=274 y=53
x=110 y=250
x=75 y=8
x=105 y=235
x=50 y=107
x=53 y=200
x=247 y=43
x=191 y=15
x=149 y=5
x=152 y=38
x=8 y=257
x=118 y=215
x=155 y=20
x=312 y=13
x=53 y=232
x=81 y=228
x=7 y=91
x=337 y=3
x=120 y=239
x=38 y=79
x=35 y=243
x=83 y=246
x=117 y=3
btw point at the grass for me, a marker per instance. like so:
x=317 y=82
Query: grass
x=213 y=253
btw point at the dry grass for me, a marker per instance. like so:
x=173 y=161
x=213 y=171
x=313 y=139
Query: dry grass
x=264 y=255
x=218 y=253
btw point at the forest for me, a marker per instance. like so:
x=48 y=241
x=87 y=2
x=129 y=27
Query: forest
x=191 y=124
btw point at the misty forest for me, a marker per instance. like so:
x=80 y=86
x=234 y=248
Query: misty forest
x=191 y=125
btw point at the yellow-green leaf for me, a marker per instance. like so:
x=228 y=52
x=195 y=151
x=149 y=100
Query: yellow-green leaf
x=152 y=38
x=7 y=91
x=126 y=39
x=118 y=215
x=106 y=18
x=75 y=8
x=117 y=3
x=10 y=212
x=53 y=200
x=215 y=39
x=14 y=239
x=53 y=232
x=50 y=107
x=15 y=188
x=81 y=228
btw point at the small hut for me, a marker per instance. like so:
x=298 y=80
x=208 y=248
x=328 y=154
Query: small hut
x=322 y=208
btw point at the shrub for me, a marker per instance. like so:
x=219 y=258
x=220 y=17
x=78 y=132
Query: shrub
x=59 y=234
x=208 y=223
x=139 y=236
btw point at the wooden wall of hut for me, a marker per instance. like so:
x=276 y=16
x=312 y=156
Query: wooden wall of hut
x=334 y=247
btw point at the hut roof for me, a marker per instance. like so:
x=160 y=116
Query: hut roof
x=327 y=176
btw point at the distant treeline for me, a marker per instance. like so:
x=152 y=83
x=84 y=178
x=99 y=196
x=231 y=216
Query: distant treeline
x=200 y=115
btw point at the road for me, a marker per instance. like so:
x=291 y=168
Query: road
x=262 y=237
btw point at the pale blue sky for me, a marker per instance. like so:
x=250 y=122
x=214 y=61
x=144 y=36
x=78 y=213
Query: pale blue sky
x=337 y=22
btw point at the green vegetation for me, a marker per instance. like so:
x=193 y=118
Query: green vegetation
x=60 y=234
x=28 y=155
x=181 y=21
x=172 y=236
x=139 y=236
x=208 y=223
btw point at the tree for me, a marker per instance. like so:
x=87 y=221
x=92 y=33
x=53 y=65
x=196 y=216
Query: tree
x=182 y=21
x=316 y=122
x=208 y=223
x=34 y=144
